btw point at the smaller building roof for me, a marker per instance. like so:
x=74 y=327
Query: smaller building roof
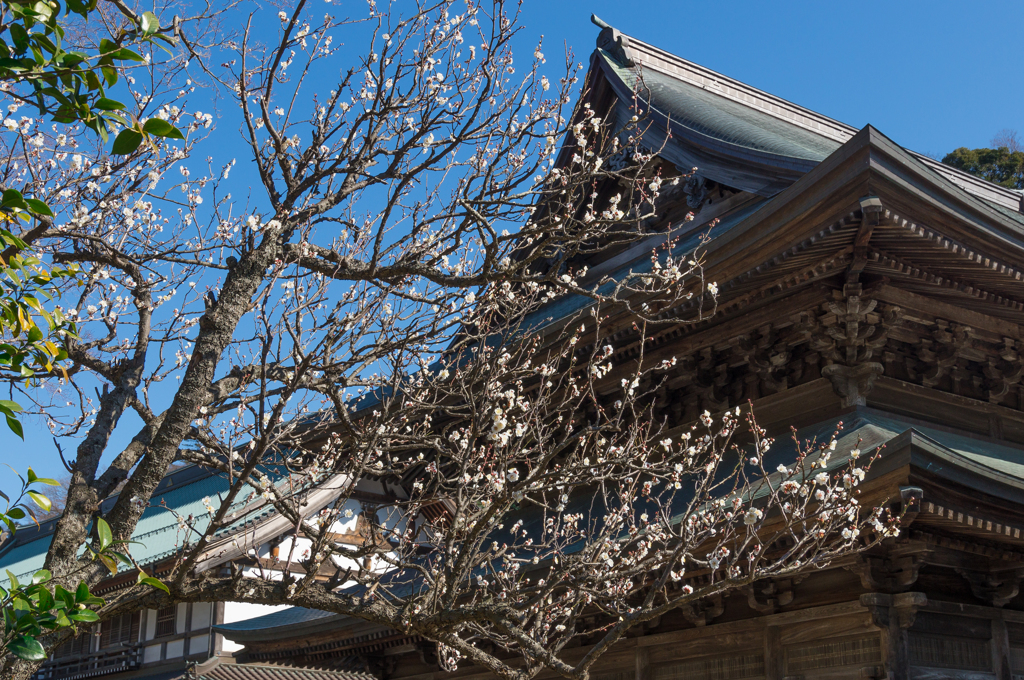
x=284 y=618
x=226 y=671
x=158 y=534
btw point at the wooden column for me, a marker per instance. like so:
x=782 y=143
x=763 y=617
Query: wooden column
x=216 y=639
x=185 y=649
x=773 y=657
x=1000 y=649
x=643 y=664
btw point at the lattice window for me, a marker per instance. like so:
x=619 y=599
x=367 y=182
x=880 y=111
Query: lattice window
x=858 y=651
x=121 y=630
x=1017 y=661
x=165 y=620
x=943 y=651
x=731 y=667
x=75 y=646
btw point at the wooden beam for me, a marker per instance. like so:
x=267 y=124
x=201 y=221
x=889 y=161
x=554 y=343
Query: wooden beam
x=932 y=307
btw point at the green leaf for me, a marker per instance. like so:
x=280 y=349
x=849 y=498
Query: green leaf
x=40 y=500
x=82 y=593
x=42 y=576
x=45 y=600
x=38 y=207
x=109 y=75
x=12 y=198
x=84 y=615
x=149 y=24
x=153 y=582
x=104 y=104
x=15 y=427
x=125 y=53
x=124 y=558
x=126 y=142
x=103 y=531
x=161 y=128
x=64 y=596
x=27 y=648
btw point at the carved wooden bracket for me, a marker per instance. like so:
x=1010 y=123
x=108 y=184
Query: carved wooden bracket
x=1003 y=372
x=941 y=354
x=768 y=597
x=898 y=610
x=885 y=574
x=852 y=383
x=696 y=190
x=995 y=589
x=704 y=611
x=767 y=355
x=847 y=337
x=855 y=329
x=428 y=653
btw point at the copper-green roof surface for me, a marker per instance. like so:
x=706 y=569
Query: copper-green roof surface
x=158 y=534
x=706 y=113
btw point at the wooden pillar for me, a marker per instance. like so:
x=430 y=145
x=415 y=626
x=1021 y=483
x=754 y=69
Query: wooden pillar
x=1000 y=649
x=643 y=664
x=773 y=657
x=216 y=639
x=185 y=650
x=893 y=615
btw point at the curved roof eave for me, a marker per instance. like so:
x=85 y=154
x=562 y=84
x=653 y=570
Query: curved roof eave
x=736 y=163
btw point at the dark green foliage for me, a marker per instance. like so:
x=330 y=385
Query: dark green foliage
x=67 y=83
x=999 y=166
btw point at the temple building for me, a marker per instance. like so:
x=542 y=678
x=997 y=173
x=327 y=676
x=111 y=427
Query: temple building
x=860 y=283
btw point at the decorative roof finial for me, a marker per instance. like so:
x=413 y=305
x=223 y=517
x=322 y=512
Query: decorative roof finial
x=612 y=41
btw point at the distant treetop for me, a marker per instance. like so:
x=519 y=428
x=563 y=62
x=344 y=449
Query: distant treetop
x=1003 y=164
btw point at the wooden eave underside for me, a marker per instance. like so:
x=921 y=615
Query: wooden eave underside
x=934 y=239
x=928 y=246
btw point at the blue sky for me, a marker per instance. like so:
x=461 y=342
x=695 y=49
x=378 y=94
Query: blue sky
x=930 y=75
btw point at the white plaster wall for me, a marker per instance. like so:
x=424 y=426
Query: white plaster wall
x=175 y=649
x=201 y=614
x=149 y=630
x=179 y=618
x=199 y=644
x=151 y=654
